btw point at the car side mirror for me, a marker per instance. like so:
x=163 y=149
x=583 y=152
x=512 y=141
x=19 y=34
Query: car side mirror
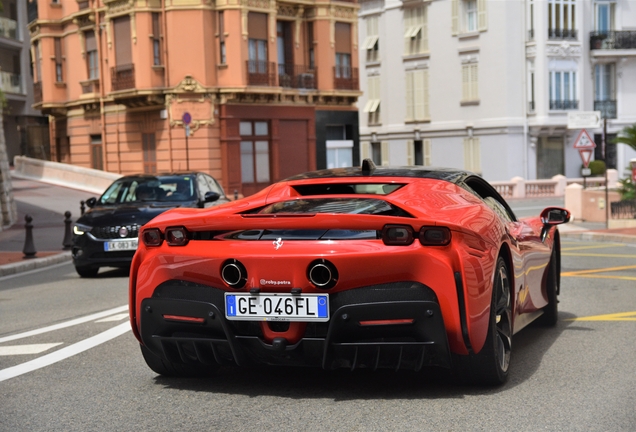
x=91 y=202
x=211 y=196
x=554 y=216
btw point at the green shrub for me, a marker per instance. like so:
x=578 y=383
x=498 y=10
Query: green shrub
x=627 y=189
x=597 y=167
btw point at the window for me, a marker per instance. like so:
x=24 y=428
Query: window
x=563 y=94
x=149 y=148
x=472 y=155
x=254 y=152
x=372 y=107
x=531 y=20
x=605 y=89
x=470 y=83
x=371 y=42
x=343 y=50
x=417 y=95
x=376 y=153
x=310 y=46
x=561 y=19
x=531 y=99
x=92 y=62
x=222 y=52
x=419 y=152
x=415 y=31
x=156 y=40
x=257 y=48
x=604 y=17
x=58 y=60
x=285 y=52
x=97 y=159
x=468 y=16
x=339 y=153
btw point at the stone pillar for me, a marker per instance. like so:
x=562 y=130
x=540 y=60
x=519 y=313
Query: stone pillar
x=8 y=208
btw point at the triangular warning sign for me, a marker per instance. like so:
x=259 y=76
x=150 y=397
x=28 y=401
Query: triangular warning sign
x=586 y=156
x=584 y=141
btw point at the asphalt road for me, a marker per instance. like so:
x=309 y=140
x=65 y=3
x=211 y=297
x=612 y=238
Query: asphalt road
x=577 y=376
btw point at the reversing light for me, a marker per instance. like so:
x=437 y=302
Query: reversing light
x=397 y=235
x=152 y=237
x=177 y=236
x=435 y=236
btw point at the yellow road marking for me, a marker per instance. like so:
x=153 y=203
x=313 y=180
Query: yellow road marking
x=605 y=245
x=603 y=277
x=601 y=270
x=621 y=316
x=598 y=255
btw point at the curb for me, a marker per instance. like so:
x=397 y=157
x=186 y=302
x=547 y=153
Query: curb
x=35 y=263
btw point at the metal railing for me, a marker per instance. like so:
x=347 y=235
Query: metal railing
x=345 y=78
x=613 y=40
x=296 y=76
x=9 y=28
x=123 y=77
x=261 y=73
x=606 y=107
x=11 y=83
x=562 y=34
x=623 y=209
x=564 y=104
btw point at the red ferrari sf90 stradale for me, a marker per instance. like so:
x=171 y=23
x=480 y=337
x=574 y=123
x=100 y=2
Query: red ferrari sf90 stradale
x=366 y=267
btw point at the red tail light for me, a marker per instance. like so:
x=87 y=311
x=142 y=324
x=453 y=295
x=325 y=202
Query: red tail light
x=397 y=235
x=177 y=236
x=152 y=237
x=435 y=236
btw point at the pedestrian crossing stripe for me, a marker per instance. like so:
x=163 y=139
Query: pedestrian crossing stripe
x=621 y=316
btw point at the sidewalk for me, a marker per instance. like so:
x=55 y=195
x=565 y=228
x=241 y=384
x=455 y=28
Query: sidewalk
x=47 y=203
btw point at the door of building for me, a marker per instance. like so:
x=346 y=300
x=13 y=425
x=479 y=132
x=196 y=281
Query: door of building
x=550 y=157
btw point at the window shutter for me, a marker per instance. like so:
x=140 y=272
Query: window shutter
x=474 y=83
x=481 y=13
x=409 y=96
x=408 y=22
x=418 y=90
x=455 y=16
x=476 y=156
x=385 y=152
x=424 y=30
x=425 y=95
x=378 y=98
x=365 y=150
x=465 y=82
x=427 y=149
x=467 y=154
x=410 y=153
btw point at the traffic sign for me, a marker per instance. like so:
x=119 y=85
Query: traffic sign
x=584 y=119
x=586 y=156
x=186 y=117
x=584 y=141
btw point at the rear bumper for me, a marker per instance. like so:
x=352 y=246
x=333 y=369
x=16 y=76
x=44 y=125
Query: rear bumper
x=341 y=342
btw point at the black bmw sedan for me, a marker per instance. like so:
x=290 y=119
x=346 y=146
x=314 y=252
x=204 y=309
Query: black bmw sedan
x=106 y=235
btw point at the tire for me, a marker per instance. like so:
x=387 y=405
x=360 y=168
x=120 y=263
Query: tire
x=551 y=310
x=490 y=366
x=86 y=271
x=169 y=369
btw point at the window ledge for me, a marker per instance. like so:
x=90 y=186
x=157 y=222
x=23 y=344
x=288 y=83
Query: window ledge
x=60 y=84
x=411 y=121
x=469 y=103
x=221 y=66
x=158 y=67
x=468 y=35
x=373 y=63
x=423 y=55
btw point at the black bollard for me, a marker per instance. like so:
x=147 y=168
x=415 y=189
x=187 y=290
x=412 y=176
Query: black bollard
x=68 y=241
x=29 y=247
x=82 y=207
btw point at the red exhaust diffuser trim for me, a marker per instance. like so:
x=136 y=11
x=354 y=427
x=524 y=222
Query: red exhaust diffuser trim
x=184 y=319
x=387 y=322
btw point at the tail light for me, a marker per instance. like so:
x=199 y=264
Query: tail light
x=152 y=237
x=397 y=235
x=177 y=236
x=435 y=236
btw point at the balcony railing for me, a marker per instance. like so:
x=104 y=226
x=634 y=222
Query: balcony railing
x=296 y=76
x=345 y=78
x=261 y=73
x=562 y=33
x=606 y=107
x=123 y=77
x=564 y=104
x=10 y=83
x=37 y=92
x=613 y=40
x=8 y=28
x=90 y=86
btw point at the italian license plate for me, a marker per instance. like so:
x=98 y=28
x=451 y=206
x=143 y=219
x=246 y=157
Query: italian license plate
x=277 y=307
x=119 y=245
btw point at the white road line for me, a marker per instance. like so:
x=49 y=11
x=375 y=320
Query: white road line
x=66 y=324
x=26 y=349
x=117 y=317
x=64 y=353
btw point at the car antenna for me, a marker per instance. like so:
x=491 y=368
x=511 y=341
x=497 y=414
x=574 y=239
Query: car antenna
x=368 y=166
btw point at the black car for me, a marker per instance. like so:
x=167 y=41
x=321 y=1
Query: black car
x=106 y=235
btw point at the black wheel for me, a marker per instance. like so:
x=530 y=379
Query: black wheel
x=86 y=271
x=490 y=365
x=551 y=310
x=169 y=369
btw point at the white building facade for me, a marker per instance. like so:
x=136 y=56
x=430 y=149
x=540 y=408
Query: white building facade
x=486 y=85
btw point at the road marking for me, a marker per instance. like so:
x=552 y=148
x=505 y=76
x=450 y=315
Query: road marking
x=601 y=270
x=606 y=245
x=26 y=349
x=66 y=324
x=64 y=353
x=37 y=270
x=117 y=317
x=598 y=255
x=621 y=316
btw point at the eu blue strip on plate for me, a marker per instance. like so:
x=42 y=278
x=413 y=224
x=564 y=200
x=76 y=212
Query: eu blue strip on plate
x=322 y=307
x=230 y=302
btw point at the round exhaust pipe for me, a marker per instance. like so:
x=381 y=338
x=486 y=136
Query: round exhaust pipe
x=322 y=274
x=234 y=274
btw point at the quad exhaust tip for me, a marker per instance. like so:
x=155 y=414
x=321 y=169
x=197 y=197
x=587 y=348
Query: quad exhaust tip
x=322 y=273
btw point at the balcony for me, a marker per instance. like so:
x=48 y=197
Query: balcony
x=345 y=78
x=562 y=105
x=613 y=40
x=123 y=77
x=8 y=28
x=560 y=34
x=261 y=73
x=296 y=76
x=10 y=83
x=37 y=92
x=606 y=107
x=90 y=86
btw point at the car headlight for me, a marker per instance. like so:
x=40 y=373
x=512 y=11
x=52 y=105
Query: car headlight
x=79 y=229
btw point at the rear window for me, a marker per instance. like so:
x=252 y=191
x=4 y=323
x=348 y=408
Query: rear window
x=347 y=188
x=369 y=206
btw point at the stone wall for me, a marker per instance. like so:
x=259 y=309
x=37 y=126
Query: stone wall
x=8 y=208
